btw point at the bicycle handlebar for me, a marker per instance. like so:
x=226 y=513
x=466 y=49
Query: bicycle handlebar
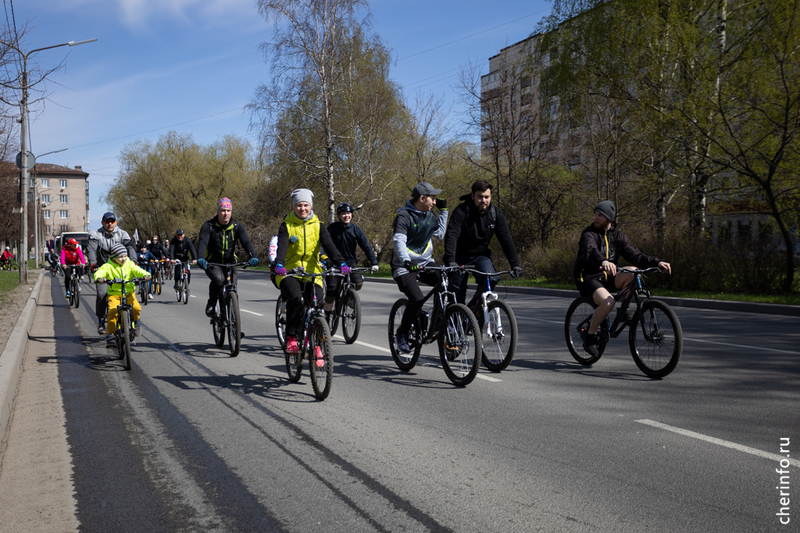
x=135 y=281
x=472 y=270
x=244 y=264
x=632 y=270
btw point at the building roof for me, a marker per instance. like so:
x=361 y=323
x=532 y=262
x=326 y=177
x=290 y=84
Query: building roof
x=47 y=168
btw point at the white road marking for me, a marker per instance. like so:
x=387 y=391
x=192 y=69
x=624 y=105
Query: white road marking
x=251 y=312
x=742 y=346
x=259 y=283
x=720 y=442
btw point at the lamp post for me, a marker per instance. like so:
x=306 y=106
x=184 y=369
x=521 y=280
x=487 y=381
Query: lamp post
x=36 y=239
x=23 y=260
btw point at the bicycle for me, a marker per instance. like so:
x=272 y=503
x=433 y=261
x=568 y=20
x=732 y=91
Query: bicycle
x=500 y=330
x=182 y=292
x=55 y=265
x=11 y=264
x=158 y=279
x=226 y=311
x=458 y=345
x=73 y=284
x=315 y=339
x=143 y=290
x=124 y=332
x=655 y=336
x=348 y=308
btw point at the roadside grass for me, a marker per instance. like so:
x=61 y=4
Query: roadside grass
x=9 y=280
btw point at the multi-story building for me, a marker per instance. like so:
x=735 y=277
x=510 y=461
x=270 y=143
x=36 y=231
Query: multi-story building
x=63 y=195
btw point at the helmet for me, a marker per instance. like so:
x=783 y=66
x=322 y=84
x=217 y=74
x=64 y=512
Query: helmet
x=344 y=208
x=179 y=232
x=72 y=242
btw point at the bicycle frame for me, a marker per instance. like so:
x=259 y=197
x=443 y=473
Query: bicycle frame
x=444 y=297
x=628 y=294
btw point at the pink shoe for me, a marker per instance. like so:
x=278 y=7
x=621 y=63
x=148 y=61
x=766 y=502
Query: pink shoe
x=291 y=345
x=320 y=362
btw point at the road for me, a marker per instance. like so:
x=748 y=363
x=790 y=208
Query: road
x=194 y=440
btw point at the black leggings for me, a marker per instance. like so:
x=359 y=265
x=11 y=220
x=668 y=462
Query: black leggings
x=409 y=285
x=292 y=290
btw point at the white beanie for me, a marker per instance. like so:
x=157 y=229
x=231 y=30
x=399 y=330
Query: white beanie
x=302 y=195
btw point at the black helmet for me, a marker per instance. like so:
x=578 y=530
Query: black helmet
x=344 y=208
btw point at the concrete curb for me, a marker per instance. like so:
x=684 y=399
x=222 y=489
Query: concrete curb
x=12 y=356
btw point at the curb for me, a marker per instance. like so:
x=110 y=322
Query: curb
x=12 y=356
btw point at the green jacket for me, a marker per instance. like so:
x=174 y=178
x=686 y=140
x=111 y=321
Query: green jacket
x=113 y=270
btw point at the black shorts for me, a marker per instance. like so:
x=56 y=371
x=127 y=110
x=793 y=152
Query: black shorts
x=590 y=284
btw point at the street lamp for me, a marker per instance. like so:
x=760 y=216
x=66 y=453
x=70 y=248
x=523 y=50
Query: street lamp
x=23 y=263
x=36 y=239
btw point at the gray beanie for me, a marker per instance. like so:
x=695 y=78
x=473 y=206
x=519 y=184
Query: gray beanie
x=606 y=208
x=118 y=250
x=302 y=195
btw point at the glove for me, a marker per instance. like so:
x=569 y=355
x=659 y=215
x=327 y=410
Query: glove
x=344 y=268
x=100 y=280
x=374 y=268
x=280 y=270
x=452 y=264
x=518 y=271
x=410 y=267
x=253 y=261
x=148 y=278
x=202 y=263
x=441 y=203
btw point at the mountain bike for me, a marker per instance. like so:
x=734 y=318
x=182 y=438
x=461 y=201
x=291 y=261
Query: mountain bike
x=182 y=290
x=347 y=308
x=55 y=265
x=73 y=284
x=314 y=340
x=125 y=332
x=451 y=323
x=499 y=332
x=158 y=277
x=655 y=336
x=226 y=311
x=143 y=290
x=11 y=264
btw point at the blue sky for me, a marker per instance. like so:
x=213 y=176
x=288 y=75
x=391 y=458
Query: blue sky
x=192 y=65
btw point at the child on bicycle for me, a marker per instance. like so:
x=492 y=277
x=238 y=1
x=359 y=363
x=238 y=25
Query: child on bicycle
x=300 y=237
x=119 y=267
x=72 y=259
x=144 y=258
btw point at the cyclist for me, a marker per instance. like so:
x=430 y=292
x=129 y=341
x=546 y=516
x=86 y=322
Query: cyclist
x=101 y=241
x=6 y=256
x=181 y=248
x=72 y=259
x=300 y=237
x=471 y=227
x=346 y=236
x=143 y=258
x=216 y=243
x=414 y=227
x=118 y=266
x=599 y=249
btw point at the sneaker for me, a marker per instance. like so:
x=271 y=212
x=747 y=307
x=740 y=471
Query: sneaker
x=210 y=310
x=111 y=341
x=589 y=343
x=68 y=294
x=320 y=357
x=101 y=328
x=291 y=345
x=402 y=343
x=149 y=296
x=175 y=286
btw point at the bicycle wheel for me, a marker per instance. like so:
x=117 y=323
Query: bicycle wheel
x=184 y=293
x=333 y=317
x=320 y=364
x=294 y=365
x=459 y=350
x=125 y=341
x=53 y=270
x=143 y=293
x=351 y=316
x=217 y=325
x=234 y=325
x=499 y=336
x=579 y=315
x=280 y=322
x=76 y=292
x=656 y=339
x=404 y=361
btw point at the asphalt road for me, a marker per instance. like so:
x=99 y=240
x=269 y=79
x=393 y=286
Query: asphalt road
x=194 y=440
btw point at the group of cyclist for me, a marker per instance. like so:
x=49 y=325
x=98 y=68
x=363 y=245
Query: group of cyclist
x=306 y=245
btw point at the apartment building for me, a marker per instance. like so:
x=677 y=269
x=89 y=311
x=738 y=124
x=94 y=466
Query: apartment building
x=63 y=195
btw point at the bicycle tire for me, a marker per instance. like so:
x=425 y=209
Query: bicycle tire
x=53 y=270
x=280 y=321
x=126 y=340
x=234 y=324
x=656 y=339
x=158 y=288
x=333 y=317
x=459 y=350
x=294 y=366
x=500 y=337
x=184 y=293
x=76 y=293
x=321 y=376
x=179 y=292
x=578 y=316
x=143 y=293
x=71 y=298
x=351 y=316
x=216 y=326
x=404 y=362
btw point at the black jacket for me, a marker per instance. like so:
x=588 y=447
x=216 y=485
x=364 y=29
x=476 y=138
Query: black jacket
x=597 y=245
x=469 y=233
x=346 y=238
x=158 y=250
x=216 y=243
x=181 y=249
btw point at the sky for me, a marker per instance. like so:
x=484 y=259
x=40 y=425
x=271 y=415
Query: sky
x=191 y=66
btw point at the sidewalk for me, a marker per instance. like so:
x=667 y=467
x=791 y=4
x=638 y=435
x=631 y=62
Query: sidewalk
x=36 y=492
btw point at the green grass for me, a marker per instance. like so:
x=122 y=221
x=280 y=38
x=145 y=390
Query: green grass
x=9 y=279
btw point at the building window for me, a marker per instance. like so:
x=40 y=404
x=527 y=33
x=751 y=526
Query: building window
x=62 y=198
x=47 y=229
x=32 y=182
x=64 y=213
x=46 y=213
x=45 y=183
x=64 y=228
x=62 y=183
x=45 y=198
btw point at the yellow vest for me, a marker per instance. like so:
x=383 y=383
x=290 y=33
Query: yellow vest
x=304 y=251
